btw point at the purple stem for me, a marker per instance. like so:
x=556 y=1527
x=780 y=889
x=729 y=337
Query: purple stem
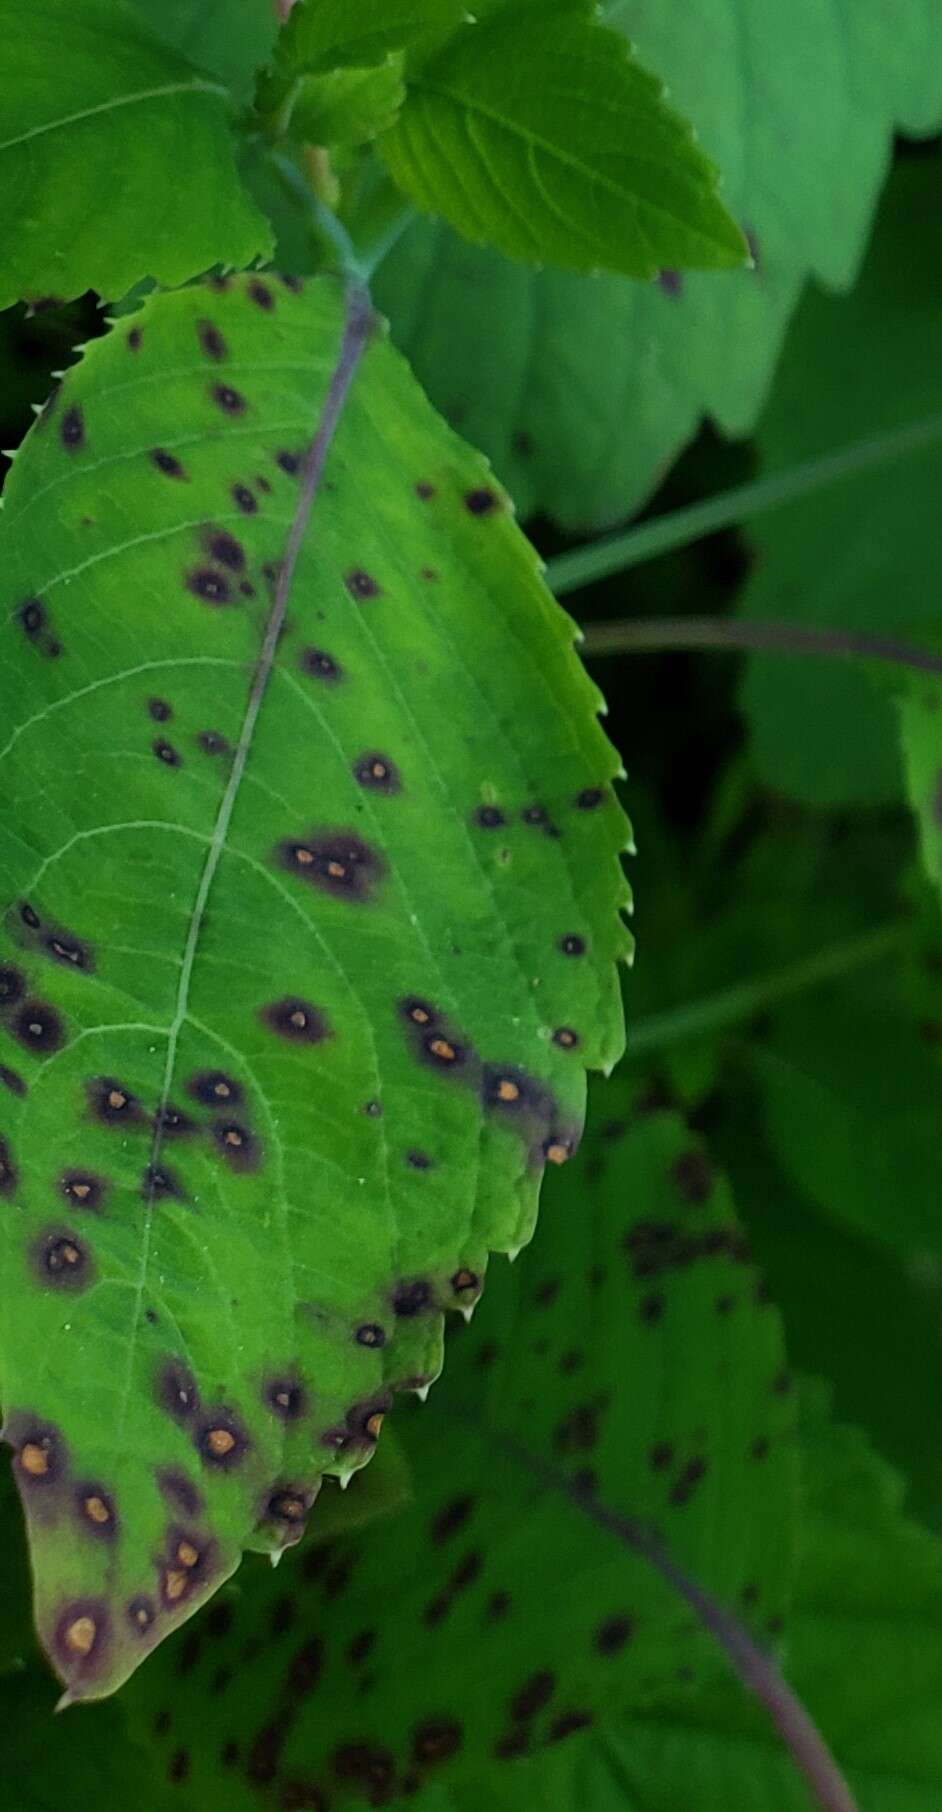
x=757 y=1671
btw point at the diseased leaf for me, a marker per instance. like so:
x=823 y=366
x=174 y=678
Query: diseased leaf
x=864 y=553
x=551 y=143
x=309 y=934
x=494 y=1618
x=229 y=38
x=87 y=93
x=583 y=393
x=864 y=1652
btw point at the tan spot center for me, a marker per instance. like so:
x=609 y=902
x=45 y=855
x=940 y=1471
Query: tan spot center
x=557 y=1153
x=507 y=1090
x=220 y=1441
x=373 y=1425
x=187 y=1554
x=80 y=1635
x=441 y=1048
x=303 y=856
x=175 y=1585
x=232 y=1137
x=337 y=871
x=116 y=1098
x=299 y=1020
x=97 y=1510
x=34 y=1460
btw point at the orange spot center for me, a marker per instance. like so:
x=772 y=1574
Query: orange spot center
x=187 y=1554
x=81 y=1190
x=304 y=857
x=420 y=1016
x=465 y=1280
x=557 y=1154
x=232 y=1137
x=97 y=1510
x=34 y=1460
x=116 y=1098
x=441 y=1048
x=220 y=1441
x=336 y=870
x=373 y=1425
x=174 y=1585
x=80 y=1635
x=507 y=1090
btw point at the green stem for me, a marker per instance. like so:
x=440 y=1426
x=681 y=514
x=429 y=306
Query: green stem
x=659 y=635
x=616 y=553
x=323 y=219
x=730 y=1006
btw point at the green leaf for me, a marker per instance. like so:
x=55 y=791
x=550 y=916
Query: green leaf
x=864 y=1652
x=922 y=760
x=548 y=375
x=229 y=38
x=116 y=160
x=348 y=106
x=554 y=144
x=850 y=1101
x=494 y=1616
x=863 y=553
x=322 y=35
x=304 y=951
x=865 y=1318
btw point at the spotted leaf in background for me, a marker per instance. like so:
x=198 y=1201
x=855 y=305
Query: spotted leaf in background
x=311 y=913
x=493 y=1619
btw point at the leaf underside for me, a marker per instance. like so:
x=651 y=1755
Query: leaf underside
x=304 y=953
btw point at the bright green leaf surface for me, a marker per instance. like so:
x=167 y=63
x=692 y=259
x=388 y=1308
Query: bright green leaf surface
x=229 y=38
x=348 y=106
x=116 y=158
x=552 y=143
x=495 y=1617
x=864 y=553
x=332 y=34
x=304 y=952
x=322 y=36
x=582 y=393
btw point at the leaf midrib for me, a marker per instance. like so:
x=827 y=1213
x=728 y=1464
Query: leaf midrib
x=196 y=86
x=353 y=342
